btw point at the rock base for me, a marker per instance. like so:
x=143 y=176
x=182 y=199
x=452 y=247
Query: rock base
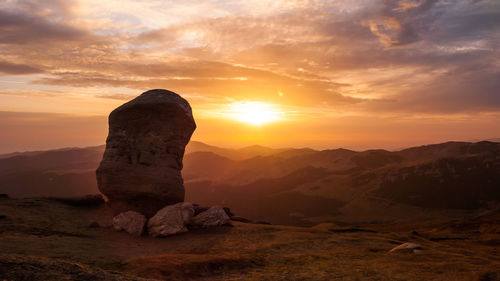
x=172 y=219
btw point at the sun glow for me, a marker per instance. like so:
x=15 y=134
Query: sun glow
x=255 y=113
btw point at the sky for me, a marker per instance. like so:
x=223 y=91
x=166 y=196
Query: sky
x=357 y=74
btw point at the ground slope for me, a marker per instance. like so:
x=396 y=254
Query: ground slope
x=42 y=239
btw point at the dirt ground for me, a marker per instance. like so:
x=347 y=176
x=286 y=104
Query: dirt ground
x=42 y=239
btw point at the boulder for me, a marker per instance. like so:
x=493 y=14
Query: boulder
x=141 y=166
x=215 y=216
x=171 y=220
x=130 y=222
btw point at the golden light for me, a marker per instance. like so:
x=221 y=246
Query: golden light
x=253 y=112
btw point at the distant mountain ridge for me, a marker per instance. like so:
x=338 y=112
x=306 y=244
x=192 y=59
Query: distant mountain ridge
x=233 y=154
x=293 y=186
x=32 y=153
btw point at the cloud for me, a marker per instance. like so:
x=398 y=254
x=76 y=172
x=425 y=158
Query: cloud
x=474 y=88
x=30 y=93
x=211 y=79
x=22 y=28
x=115 y=96
x=399 y=23
x=15 y=68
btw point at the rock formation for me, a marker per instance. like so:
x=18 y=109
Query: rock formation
x=141 y=166
x=171 y=220
x=131 y=222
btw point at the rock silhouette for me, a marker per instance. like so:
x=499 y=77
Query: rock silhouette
x=141 y=166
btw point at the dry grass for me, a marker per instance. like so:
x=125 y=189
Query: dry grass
x=57 y=235
x=190 y=266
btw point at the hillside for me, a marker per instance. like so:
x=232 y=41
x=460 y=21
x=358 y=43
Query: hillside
x=67 y=172
x=233 y=154
x=43 y=239
x=297 y=186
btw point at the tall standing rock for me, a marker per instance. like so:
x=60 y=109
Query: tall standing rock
x=141 y=166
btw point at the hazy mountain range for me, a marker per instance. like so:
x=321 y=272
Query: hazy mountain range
x=295 y=186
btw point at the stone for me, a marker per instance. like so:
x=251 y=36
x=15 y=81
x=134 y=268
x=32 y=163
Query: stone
x=141 y=166
x=215 y=216
x=407 y=247
x=130 y=222
x=171 y=220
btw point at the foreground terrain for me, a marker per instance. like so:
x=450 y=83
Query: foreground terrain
x=42 y=239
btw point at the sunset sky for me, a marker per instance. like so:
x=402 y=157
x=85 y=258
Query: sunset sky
x=354 y=74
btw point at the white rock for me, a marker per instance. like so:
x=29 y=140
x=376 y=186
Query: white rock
x=131 y=222
x=171 y=219
x=215 y=216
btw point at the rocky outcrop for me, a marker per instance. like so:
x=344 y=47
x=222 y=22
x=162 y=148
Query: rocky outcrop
x=171 y=220
x=130 y=222
x=141 y=166
x=215 y=216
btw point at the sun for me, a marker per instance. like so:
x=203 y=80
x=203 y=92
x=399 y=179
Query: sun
x=253 y=112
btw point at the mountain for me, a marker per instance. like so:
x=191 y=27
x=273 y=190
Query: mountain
x=32 y=153
x=234 y=154
x=65 y=172
x=296 y=186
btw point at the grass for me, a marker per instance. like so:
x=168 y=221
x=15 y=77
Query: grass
x=43 y=239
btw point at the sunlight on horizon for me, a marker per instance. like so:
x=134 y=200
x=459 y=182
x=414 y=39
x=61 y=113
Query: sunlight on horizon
x=253 y=112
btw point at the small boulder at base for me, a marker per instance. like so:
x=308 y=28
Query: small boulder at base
x=215 y=216
x=171 y=220
x=131 y=222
